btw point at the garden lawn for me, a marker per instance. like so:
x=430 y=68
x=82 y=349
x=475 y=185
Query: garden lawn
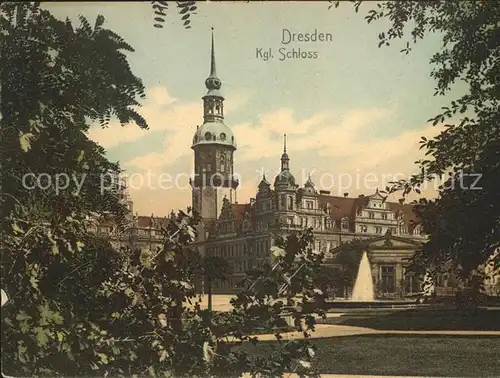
x=416 y=355
x=420 y=319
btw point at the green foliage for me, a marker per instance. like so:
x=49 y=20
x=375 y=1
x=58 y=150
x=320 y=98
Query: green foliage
x=55 y=78
x=77 y=306
x=184 y=8
x=288 y=283
x=462 y=224
x=216 y=267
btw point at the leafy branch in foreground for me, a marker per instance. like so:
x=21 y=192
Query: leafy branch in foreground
x=184 y=8
x=463 y=222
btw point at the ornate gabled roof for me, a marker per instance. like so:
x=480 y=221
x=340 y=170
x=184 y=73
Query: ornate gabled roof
x=263 y=182
x=309 y=188
x=408 y=215
x=346 y=206
x=376 y=195
x=264 y=188
x=309 y=183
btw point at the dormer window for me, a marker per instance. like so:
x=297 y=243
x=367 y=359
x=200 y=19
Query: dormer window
x=208 y=136
x=223 y=136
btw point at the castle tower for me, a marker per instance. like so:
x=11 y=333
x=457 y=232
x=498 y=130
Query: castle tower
x=213 y=146
x=285 y=190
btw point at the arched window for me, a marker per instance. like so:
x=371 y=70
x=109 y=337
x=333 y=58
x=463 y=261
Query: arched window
x=290 y=203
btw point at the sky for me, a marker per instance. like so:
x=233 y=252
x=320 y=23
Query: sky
x=353 y=116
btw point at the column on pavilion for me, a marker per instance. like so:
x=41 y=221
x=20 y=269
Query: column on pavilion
x=399 y=280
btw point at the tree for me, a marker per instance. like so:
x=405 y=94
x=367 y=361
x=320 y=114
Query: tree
x=214 y=268
x=463 y=222
x=56 y=78
x=76 y=305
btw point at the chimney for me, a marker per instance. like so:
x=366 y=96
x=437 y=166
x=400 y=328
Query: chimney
x=325 y=192
x=361 y=195
x=346 y=194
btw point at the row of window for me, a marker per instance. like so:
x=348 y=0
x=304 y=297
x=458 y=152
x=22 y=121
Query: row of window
x=379 y=230
x=287 y=202
x=377 y=204
x=371 y=214
x=238 y=250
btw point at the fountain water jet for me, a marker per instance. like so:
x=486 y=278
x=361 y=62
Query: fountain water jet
x=363 y=288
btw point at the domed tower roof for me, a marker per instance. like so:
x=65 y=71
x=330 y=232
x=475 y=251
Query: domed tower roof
x=284 y=178
x=214 y=133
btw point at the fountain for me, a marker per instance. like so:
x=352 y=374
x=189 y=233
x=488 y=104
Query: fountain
x=363 y=294
x=363 y=287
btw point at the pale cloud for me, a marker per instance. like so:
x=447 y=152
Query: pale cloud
x=160 y=96
x=116 y=134
x=173 y=120
x=326 y=138
x=328 y=133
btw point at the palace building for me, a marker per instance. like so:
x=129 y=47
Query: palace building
x=243 y=233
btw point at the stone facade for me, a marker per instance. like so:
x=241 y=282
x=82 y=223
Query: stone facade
x=243 y=233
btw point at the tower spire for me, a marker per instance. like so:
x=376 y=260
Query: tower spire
x=213 y=72
x=284 y=157
x=213 y=82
